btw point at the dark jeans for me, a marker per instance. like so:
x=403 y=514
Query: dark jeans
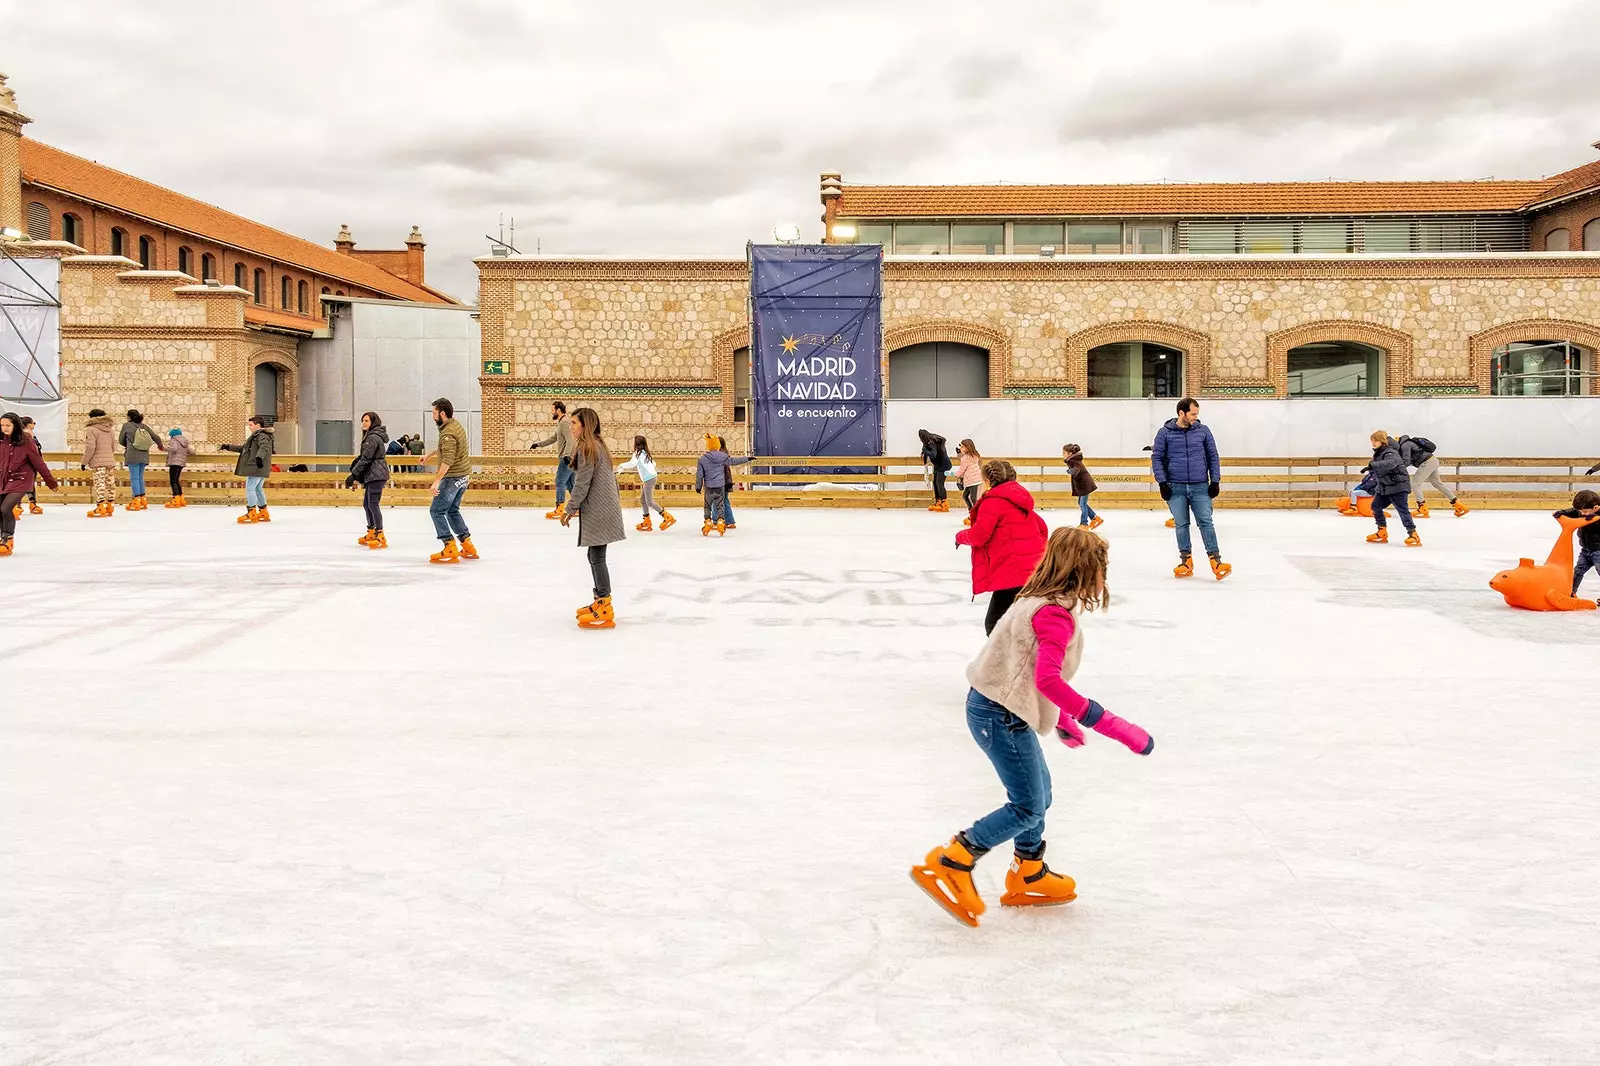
x=372 y=503
x=970 y=494
x=175 y=479
x=565 y=476
x=1000 y=601
x=8 y=518
x=1587 y=560
x=1014 y=750
x=938 y=483
x=1399 y=501
x=446 y=510
x=601 y=572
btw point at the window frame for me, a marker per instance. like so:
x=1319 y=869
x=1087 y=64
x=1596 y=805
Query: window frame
x=185 y=260
x=1375 y=374
x=1565 y=240
x=1591 y=235
x=38 y=211
x=258 y=287
x=74 y=224
x=147 y=252
x=208 y=266
x=119 y=241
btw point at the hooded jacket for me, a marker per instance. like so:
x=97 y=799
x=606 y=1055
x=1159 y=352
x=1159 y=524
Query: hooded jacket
x=1390 y=471
x=1413 y=453
x=969 y=471
x=1083 y=482
x=179 y=450
x=370 y=466
x=711 y=472
x=643 y=464
x=21 y=466
x=1007 y=538
x=1185 y=456
x=933 y=451
x=99 y=446
x=255 y=455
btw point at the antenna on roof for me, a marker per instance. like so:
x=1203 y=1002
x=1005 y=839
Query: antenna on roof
x=499 y=246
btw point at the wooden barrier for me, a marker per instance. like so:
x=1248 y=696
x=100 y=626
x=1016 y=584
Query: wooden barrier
x=885 y=482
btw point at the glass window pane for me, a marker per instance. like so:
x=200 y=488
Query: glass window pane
x=1266 y=238
x=875 y=233
x=1211 y=238
x=1557 y=240
x=1334 y=368
x=1591 y=235
x=1151 y=240
x=921 y=238
x=1094 y=238
x=1321 y=238
x=1135 y=369
x=1027 y=238
x=1540 y=368
x=1388 y=236
x=978 y=238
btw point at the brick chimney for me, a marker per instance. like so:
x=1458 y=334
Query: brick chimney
x=831 y=195
x=343 y=243
x=414 y=246
x=11 y=123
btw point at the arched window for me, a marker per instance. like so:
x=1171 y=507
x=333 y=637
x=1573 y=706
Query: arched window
x=1336 y=368
x=147 y=253
x=208 y=267
x=283 y=292
x=324 y=290
x=1542 y=368
x=185 y=261
x=260 y=287
x=302 y=293
x=341 y=292
x=238 y=276
x=1591 y=235
x=1135 y=370
x=38 y=221
x=119 y=241
x=938 y=370
x=1557 y=240
x=71 y=229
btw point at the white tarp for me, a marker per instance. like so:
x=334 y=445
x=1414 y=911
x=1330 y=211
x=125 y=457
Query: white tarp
x=30 y=330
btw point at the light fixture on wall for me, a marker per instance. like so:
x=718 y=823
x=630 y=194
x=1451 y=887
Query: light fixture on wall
x=844 y=231
x=1048 y=251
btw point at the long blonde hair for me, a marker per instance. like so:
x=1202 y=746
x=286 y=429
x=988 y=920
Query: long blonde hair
x=1073 y=570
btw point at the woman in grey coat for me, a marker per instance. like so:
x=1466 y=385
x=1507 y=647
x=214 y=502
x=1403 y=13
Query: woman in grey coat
x=595 y=503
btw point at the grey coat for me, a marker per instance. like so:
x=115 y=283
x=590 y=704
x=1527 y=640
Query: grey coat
x=136 y=456
x=594 y=497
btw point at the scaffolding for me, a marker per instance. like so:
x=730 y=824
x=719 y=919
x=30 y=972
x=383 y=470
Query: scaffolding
x=30 y=329
x=1544 y=368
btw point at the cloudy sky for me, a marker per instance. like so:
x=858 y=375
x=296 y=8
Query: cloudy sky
x=688 y=127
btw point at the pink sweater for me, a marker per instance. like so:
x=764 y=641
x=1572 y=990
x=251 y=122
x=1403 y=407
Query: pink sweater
x=968 y=472
x=1054 y=627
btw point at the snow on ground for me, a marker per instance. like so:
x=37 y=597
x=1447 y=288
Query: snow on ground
x=269 y=797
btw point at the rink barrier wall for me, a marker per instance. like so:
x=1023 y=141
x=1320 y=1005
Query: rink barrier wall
x=1274 y=483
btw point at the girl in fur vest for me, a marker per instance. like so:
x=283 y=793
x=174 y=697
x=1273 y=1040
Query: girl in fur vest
x=1021 y=689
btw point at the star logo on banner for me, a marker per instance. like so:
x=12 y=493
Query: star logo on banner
x=789 y=345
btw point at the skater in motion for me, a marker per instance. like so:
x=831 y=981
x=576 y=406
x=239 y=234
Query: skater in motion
x=711 y=479
x=1083 y=485
x=597 y=506
x=1394 y=487
x=255 y=466
x=137 y=441
x=644 y=464
x=100 y=458
x=21 y=466
x=179 y=452
x=1020 y=690
x=370 y=470
x=1585 y=504
x=1007 y=539
x=727 y=476
x=1418 y=453
x=449 y=485
x=937 y=461
x=562 y=439
x=969 y=475
x=1189 y=476
x=33 y=497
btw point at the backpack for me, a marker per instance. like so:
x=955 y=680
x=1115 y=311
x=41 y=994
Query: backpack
x=142 y=440
x=1427 y=446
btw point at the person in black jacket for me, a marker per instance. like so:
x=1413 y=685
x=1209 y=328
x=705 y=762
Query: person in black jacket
x=255 y=466
x=936 y=457
x=371 y=471
x=1394 y=487
x=1585 y=504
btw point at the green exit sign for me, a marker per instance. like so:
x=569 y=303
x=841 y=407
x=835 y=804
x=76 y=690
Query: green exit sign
x=496 y=366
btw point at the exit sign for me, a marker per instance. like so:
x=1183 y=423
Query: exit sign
x=496 y=366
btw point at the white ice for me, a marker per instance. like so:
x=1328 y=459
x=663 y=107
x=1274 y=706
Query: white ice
x=269 y=797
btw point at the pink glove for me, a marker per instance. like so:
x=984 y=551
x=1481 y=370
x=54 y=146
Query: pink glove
x=1122 y=731
x=1067 y=729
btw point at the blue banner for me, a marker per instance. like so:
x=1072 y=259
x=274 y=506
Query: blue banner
x=815 y=360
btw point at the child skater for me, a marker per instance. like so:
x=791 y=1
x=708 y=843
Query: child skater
x=1083 y=484
x=1586 y=504
x=1007 y=539
x=33 y=497
x=596 y=504
x=179 y=451
x=969 y=475
x=644 y=464
x=1394 y=487
x=1020 y=687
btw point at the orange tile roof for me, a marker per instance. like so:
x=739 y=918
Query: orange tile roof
x=76 y=176
x=1576 y=180
x=262 y=316
x=1260 y=198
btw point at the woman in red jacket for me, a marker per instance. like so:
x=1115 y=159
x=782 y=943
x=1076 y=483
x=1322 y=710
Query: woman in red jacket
x=1007 y=539
x=20 y=467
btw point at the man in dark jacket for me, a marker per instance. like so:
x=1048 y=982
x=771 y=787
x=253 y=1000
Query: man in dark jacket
x=1188 y=472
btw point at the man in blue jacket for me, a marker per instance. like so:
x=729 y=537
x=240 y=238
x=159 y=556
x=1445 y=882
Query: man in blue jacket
x=1189 y=475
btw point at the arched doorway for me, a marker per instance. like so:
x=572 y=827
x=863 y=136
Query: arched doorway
x=1543 y=368
x=1135 y=370
x=939 y=370
x=1335 y=368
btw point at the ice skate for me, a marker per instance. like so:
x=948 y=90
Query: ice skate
x=1031 y=883
x=1096 y=522
x=446 y=555
x=722 y=528
x=5 y=547
x=366 y=538
x=262 y=515
x=101 y=510
x=1380 y=537
x=131 y=505
x=1172 y=523
x=1460 y=508
x=34 y=508
x=645 y=526
x=559 y=512
x=247 y=518
x=730 y=525
x=707 y=527
x=598 y=615
x=182 y=501
x=174 y=503
x=946 y=876
x=1420 y=510
x=16 y=512
x=378 y=541
x=1219 y=569
x=1413 y=540
x=1185 y=567
x=667 y=521
x=468 y=549
x=967 y=521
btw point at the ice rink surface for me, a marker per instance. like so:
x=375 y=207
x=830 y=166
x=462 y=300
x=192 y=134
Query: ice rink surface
x=269 y=797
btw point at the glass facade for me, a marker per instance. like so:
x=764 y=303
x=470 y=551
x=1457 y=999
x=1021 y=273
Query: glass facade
x=876 y=233
x=1028 y=238
x=1542 y=368
x=921 y=238
x=1134 y=370
x=1335 y=368
x=1094 y=238
x=987 y=238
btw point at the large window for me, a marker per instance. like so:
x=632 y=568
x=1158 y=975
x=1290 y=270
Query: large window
x=1210 y=238
x=741 y=384
x=1591 y=235
x=1135 y=369
x=983 y=238
x=1557 y=240
x=147 y=253
x=876 y=233
x=38 y=221
x=921 y=238
x=938 y=370
x=1324 y=238
x=1094 y=238
x=1387 y=236
x=72 y=229
x=1029 y=238
x=119 y=241
x=1335 y=368
x=1542 y=368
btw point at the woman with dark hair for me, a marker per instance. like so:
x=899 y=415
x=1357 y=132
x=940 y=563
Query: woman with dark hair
x=596 y=504
x=937 y=459
x=138 y=441
x=371 y=471
x=1007 y=539
x=20 y=467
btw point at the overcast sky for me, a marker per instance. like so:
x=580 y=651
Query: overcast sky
x=651 y=127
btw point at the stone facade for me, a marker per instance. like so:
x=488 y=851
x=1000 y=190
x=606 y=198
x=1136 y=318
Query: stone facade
x=650 y=343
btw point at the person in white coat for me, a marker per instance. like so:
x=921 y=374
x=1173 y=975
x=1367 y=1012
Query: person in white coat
x=644 y=464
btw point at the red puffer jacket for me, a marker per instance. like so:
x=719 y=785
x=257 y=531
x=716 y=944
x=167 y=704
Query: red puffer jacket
x=1007 y=538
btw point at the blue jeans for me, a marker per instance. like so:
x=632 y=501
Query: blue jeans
x=1187 y=497
x=255 y=494
x=565 y=476
x=1014 y=750
x=1585 y=562
x=445 y=510
x=1085 y=512
x=136 y=476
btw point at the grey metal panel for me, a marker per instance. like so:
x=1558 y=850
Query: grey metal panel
x=914 y=373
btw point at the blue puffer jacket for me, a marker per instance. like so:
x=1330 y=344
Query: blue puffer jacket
x=1185 y=456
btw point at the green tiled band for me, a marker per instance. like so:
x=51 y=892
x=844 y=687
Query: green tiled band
x=559 y=391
